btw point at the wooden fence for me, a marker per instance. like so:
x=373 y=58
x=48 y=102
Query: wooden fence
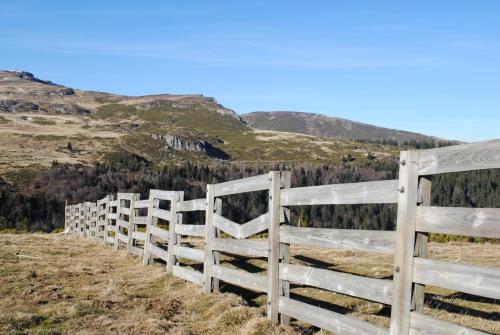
x=154 y=229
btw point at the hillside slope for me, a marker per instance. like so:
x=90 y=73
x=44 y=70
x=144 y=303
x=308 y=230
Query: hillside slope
x=328 y=126
x=42 y=122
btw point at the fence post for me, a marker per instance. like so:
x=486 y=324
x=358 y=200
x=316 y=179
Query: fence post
x=421 y=240
x=172 y=237
x=405 y=243
x=151 y=221
x=284 y=249
x=216 y=254
x=118 y=218
x=274 y=243
x=131 y=222
x=209 y=238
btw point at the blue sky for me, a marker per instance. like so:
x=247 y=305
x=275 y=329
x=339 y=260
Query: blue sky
x=425 y=66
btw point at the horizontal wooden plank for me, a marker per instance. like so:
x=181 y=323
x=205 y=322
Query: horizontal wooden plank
x=137 y=235
x=328 y=320
x=464 y=157
x=140 y=220
x=122 y=223
x=163 y=195
x=158 y=252
x=421 y=324
x=477 y=280
x=242 y=231
x=141 y=204
x=344 y=239
x=190 y=230
x=112 y=216
x=477 y=222
x=121 y=237
x=161 y=233
x=189 y=253
x=125 y=210
x=110 y=239
x=378 y=290
x=192 y=205
x=113 y=203
x=188 y=274
x=162 y=214
x=250 y=248
x=136 y=251
x=249 y=184
x=373 y=192
x=245 y=279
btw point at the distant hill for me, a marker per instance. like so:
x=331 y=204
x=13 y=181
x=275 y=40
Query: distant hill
x=42 y=123
x=328 y=126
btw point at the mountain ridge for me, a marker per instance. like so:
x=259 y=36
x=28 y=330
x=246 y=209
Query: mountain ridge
x=329 y=126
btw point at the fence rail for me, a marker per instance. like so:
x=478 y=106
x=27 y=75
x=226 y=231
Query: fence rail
x=155 y=229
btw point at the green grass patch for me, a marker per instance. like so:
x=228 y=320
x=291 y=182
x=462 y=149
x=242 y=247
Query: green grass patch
x=43 y=121
x=114 y=111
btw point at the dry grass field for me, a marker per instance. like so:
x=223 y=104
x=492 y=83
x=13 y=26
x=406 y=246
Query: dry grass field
x=53 y=284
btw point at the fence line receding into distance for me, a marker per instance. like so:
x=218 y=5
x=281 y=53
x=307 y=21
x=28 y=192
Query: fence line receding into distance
x=154 y=229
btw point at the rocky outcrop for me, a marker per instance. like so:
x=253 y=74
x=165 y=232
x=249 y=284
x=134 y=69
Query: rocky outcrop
x=184 y=143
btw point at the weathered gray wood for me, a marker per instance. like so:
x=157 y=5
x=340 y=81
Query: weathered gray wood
x=249 y=184
x=140 y=220
x=464 y=157
x=344 y=239
x=245 y=279
x=188 y=274
x=478 y=280
x=378 y=290
x=127 y=196
x=137 y=235
x=324 y=319
x=136 y=251
x=158 y=252
x=249 y=248
x=192 y=205
x=283 y=247
x=150 y=224
x=113 y=203
x=381 y=192
x=218 y=234
x=110 y=239
x=209 y=239
x=122 y=237
x=122 y=224
x=125 y=211
x=162 y=214
x=112 y=216
x=172 y=238
x=478 y=222
x=162 y=195
x=189 y=253
x=141 y=204
x=160 y=232
x=405 y=244
x=190 y=230
x=241 y=231
x=421 y=241
x=426 y=325
x=272 y=221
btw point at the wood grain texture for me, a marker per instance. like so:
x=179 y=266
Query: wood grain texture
x=324 y=319
x=189 y=253
x=172 y=238
x=209 y=239
x=378 y=290
x=192 y=205
x=141 y=204
x=477 y=222
x=405 y=244
x=245 y=279
x=273 y=223
x=190 y=230
x=162 y=214
x=249 y=184
x=249 y=248
x=160 y=232
x=464 y=157
x=188 y=274
x=382 y=192
x=344 y=239
x=478 y=280
x=241 y=231
x=158 y=252
x=425 y=325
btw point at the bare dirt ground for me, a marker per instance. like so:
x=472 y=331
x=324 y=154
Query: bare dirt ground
x=60 y=285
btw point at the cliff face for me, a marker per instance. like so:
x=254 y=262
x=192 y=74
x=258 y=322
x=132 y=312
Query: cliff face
x=182 y=143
